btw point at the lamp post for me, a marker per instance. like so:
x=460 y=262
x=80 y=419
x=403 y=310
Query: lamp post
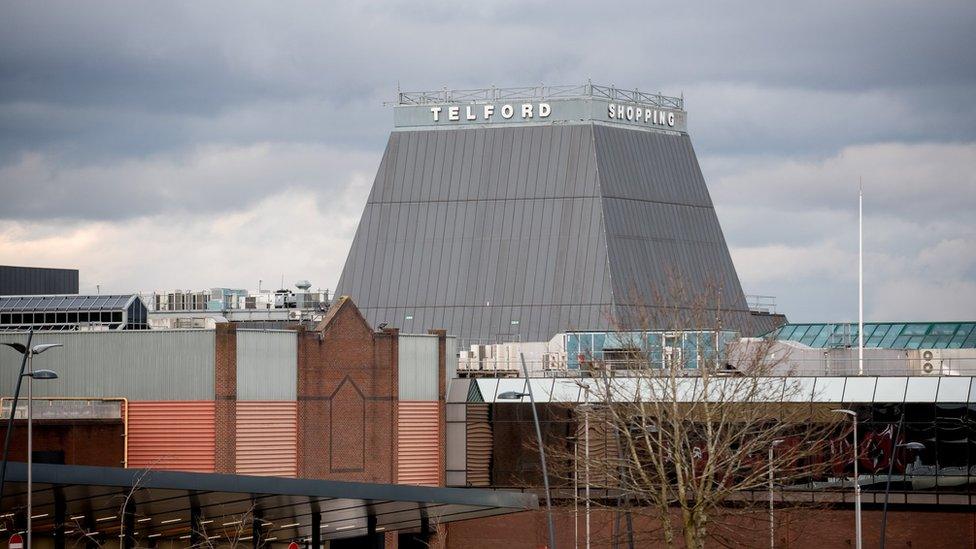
x=586 y=454
x=772 y=524
x=22 y=349
x=31 y=375
x=515 y=395
x=914 y=446
x=857 y=484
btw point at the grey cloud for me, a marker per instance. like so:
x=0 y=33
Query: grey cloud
x=208 y=181
x=131 y=115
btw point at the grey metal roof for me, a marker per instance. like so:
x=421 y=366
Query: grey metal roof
x=520 y=232
x=31 y=303
x=163 y=501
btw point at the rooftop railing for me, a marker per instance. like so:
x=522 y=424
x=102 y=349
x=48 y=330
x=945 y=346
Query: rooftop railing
x=540 y=92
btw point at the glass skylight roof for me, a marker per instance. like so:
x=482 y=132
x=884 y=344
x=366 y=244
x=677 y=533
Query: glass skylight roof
x=32 y=303
x=883 y=335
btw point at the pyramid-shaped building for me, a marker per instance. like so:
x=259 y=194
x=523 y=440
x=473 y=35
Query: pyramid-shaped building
x=516 y=214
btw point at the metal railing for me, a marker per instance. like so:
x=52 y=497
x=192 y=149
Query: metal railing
x=540 y=92
x=557 y=365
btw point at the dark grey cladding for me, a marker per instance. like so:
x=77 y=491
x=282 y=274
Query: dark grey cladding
x=522 y=232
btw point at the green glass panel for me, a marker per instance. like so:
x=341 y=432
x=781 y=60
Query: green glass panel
x=869 y=330
x=914 y=343
x=900 y=343
x=960 y=337
x=891 y=336
x=916 y=329
x=881 y=331
x=812 y=334
x=821 y=339
x=785 y=331
x=943 y=329
x=598 y=345
x=874 y=342
x=799 y=332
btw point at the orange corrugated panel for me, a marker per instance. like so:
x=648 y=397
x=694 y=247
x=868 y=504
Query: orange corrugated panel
x=172 y=435
x=418 y=449
x=267 y=438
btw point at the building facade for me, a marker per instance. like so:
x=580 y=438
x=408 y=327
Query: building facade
x=514 y=214
x=325 y=403
x=37 y=280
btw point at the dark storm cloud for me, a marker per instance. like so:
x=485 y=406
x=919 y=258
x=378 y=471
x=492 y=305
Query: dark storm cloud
x=94 y=84
x=197 y=130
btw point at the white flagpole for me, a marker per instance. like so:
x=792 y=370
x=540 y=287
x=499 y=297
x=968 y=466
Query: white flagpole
x=860 y=278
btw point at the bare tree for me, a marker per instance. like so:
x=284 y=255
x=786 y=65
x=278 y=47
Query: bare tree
x=684 y=438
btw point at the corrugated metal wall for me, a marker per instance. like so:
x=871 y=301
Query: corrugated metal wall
x=418 y=367
x=480 y=441
x=418 y=447
x=267 y=364
x=138 y=365
x=167 y=435
x=37 y=280
x=267 y=438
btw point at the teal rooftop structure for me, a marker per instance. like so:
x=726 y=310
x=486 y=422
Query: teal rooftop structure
x=882 y=335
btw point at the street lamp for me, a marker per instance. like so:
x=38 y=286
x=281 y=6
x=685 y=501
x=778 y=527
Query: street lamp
x=586 y=445
x=914 y=446
x=31 y=375
x=516 y=395
x=857 y=484
x=772 y=525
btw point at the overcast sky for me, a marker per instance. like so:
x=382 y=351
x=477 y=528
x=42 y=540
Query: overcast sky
x=164 y=145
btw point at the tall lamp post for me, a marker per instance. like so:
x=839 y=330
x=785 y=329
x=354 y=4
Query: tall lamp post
x=22 y=349
x=914 y=446
x=772 y=523
x=515 y=395
x=857 y=484
x=586 y=449
x=31 y=375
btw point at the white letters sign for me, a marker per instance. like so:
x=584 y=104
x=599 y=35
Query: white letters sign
x=631 y=113
x=524 y=111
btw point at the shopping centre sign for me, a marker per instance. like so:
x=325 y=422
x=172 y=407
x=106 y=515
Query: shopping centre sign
x=489 y=113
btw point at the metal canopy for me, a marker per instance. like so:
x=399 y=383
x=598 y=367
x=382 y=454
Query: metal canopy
x=166 y=505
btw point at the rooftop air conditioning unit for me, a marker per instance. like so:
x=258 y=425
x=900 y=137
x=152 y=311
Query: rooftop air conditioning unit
x=930 y=362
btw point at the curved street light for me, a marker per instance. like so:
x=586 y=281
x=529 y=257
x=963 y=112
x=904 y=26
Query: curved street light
x=517 y=395
x=28 y=353
x=857 y=484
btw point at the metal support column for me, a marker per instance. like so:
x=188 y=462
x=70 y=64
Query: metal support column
x=91 y=541
x=375 y=541
x=424 y=526
x=256 y=522
x=316 y=530
x=60 y=515
x=196 y=528
x=129 y=524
